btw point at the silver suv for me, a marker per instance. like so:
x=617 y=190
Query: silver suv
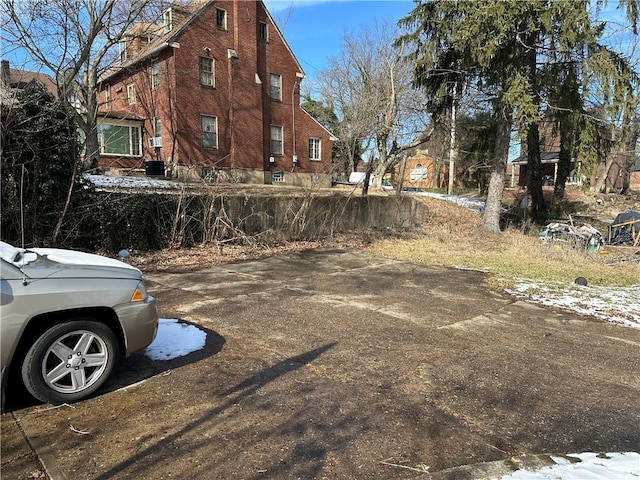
x=65 y=318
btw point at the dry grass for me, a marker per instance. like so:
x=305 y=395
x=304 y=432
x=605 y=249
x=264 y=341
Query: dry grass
x=454 y=237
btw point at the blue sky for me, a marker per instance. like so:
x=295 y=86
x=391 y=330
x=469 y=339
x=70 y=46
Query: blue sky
x=314 y=28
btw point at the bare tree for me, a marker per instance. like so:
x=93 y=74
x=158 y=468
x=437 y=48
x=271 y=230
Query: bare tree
x=615 y=98
x=370 y=87
x=73 y=39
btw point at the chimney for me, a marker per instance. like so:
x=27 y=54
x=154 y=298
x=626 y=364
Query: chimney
x=5 y=75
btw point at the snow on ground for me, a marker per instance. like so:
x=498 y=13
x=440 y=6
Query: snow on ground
x=175 y=339
x=585 y=466
x=467 y=202
x=613 y=304
x=113 y=181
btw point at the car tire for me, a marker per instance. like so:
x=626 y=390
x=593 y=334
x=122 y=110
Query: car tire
x=70 y=361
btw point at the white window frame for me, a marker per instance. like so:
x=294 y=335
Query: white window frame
x=155 y=75
x=167 y=20
x=122 y=50
x=418 y=173
x=315 y=149
x=275 y=86
x=276 y=144
x=107 y=95
x=277 y=177
x=157 y=127
x=221 y=25
x=209 y=131
x=207 y=78
x=132 y=98
x=135 y=137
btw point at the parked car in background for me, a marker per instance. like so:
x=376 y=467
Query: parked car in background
x=66 y=316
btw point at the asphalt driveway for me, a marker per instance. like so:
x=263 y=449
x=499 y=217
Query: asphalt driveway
x=332 y=364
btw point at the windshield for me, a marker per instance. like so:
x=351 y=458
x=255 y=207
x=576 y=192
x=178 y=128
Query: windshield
x=17 y=256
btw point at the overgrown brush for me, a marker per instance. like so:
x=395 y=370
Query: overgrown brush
x=454 y=237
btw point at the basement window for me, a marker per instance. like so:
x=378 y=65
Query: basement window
x=277 y=177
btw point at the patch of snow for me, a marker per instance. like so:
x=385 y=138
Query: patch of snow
x=175 y=339
x=74 y=257
x=613 y=304
x=467 y=202
x=116 y=181
x=583 y=466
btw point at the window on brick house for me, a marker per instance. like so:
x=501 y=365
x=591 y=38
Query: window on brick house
x=206 y=72
x=107 y=94
x=120 y=138
x=167 y=20
x=275 y=83
x=276 y=140
x=221 y=19
x=131 y=94
x=263 y=31
x=314 y=149
x=122 y=51
x=209 y=131
x=155 y=75
x=157 y=127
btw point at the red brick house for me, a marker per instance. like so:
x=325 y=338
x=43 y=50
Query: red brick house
x=213 y=91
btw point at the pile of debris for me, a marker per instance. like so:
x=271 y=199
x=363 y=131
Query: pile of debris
x=625 y=230
x=586 y=237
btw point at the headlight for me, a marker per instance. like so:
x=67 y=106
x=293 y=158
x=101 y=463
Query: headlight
x=140 y=294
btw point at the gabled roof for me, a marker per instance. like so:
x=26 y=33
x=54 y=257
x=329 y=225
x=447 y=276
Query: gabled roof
x=21 y=78
x=189 y=11
x=545 y=157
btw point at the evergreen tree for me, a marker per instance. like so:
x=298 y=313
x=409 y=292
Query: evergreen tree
x=39 y=157
x=511 y=48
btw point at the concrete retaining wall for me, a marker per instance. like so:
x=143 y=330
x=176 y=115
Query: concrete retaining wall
x=150 y=221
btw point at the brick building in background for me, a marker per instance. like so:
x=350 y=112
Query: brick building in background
x=213 y=91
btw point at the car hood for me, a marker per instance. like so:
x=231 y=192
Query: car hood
x=60 y=263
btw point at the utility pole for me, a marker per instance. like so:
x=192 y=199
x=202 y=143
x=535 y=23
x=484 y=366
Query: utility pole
x=452 y=146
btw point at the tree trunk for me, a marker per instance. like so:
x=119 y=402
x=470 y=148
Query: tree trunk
x=493 y=207
x=564 y=169
x=92 y=145
x=538 y=209
x=601 y=182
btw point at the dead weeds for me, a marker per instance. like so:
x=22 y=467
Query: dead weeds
x=453 y=237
